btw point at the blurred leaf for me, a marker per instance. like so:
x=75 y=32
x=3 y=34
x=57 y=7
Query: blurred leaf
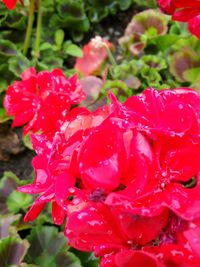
x=12 y=251
x=8 y=183
x=67 y=259
x=87 y=259
x=59 y=37
x=192 y=75
x=18 y=64
x=7 y=48
x=165 y=41
x=17 y=200
x=27 y=141
x=3 y=116
x=182 y=61
x=72 y=50
x=49 y=248
x=45 y=46
x=124 y=4
x=6 y=222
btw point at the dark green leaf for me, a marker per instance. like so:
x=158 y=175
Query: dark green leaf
x=48 y=248
x=12 y=251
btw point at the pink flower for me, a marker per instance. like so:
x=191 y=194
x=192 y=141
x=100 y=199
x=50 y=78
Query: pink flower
x=184 y=11
x=41 y=101
x=94 y=55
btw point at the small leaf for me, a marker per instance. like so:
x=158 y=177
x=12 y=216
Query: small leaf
x=166 y=41
x=87 y=259
x=192 y=75
x=17 y=200
x=59 y=37
x=3 y=116
x=8 y=183
x=72 y=50
x=27 y=141
x=45 y=46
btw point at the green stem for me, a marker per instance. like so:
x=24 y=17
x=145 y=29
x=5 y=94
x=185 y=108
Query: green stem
x=29 y=27
x=38 y=30
x=110 y=55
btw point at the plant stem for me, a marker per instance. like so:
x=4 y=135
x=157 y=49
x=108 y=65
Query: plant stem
x=110 y=55
x=29 y=27
x=38 y=30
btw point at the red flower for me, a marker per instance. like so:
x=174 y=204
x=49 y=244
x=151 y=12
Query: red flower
x=10 y=4
x=41 y=101
x=56 y=164
x=96 y=227
x=123 y=239
x=184 y=11
x=169 y=120
x=161 y=256
x=127 y=177
x=94 y=55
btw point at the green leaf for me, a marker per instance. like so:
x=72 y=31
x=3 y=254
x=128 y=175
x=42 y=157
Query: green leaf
x=17 y=200
x=3 y=116
x=67 y=259
x=124 y=4
x=72 y=50
x=45 y=46
x=7 y=48
x=48 y=248
x=5 y=224
x=164 y=42
x=87 y=259
x=27 y=141
x=18 y=64
x=191 y=75
x=59 y=37
x=8 y=183
x=12 y=251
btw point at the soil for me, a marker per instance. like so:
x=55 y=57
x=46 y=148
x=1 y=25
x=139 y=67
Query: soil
x=19 y=164
x=13 y=154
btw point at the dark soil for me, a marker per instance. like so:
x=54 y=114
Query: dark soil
x=13 y=154
x=19 y=164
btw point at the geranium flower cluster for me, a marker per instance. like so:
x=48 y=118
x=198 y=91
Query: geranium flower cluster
x=184 y=11
x=126 y=177
x=41 y=101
